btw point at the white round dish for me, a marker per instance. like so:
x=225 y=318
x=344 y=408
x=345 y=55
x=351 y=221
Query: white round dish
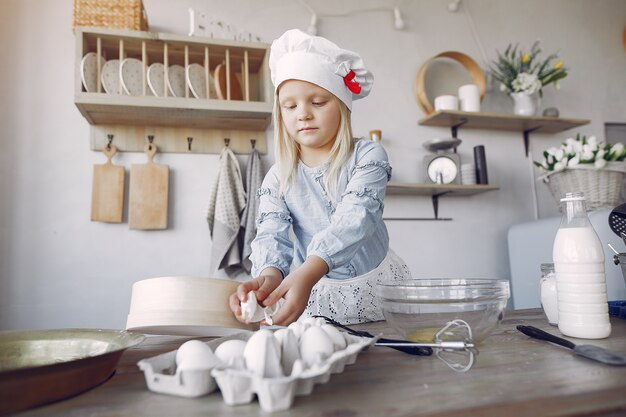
x=193 y=306
x=131 y=76
x=89 y=71
x=176 y=80
x=196 y=80
x=111 y=76
x=156 y=74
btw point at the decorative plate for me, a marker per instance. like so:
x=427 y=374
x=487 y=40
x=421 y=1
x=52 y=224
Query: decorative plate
x=220 y=84
x=89 y=71
x=111 y=76
x=176 y=80
x=196 y=79
x=156 y=79
x=131 y=75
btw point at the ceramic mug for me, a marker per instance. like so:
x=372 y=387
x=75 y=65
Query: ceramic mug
x=446 y=103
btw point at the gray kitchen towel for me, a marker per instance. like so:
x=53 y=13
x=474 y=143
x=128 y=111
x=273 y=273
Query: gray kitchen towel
x=227 y=200
x=254 y=179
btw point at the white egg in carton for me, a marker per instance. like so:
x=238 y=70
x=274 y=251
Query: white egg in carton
x=276 y=366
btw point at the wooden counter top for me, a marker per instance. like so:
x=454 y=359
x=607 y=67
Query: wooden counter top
x=513 y=376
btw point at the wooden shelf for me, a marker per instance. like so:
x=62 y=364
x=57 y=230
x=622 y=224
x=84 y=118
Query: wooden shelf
x=500 y=121
x=438 y=189
x=104 y=109
x=172 y=120
x=435 y=191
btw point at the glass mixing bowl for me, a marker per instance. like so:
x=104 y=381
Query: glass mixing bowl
x=419 y=308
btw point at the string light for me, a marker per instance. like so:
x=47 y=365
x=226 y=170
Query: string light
x=398 y=22
x=454 y=6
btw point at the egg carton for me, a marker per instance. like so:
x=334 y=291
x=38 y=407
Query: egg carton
x=239 y=386
x=163 y=377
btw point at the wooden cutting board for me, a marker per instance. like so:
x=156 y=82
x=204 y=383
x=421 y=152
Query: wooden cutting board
x=220 y=84
x=107 y=192
x=149 y=186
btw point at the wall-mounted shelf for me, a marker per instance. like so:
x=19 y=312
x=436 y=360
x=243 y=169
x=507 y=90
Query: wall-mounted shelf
x=239 y=107
x=500 y=121
x=436 y=191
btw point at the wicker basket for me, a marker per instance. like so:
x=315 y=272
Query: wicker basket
x=121 y=14
x=601 y=186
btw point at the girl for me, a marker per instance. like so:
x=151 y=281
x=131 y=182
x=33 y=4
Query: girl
x=325 y=187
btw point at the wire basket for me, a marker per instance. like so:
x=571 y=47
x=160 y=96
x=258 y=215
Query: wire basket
x=120 y=14
x=601 y=186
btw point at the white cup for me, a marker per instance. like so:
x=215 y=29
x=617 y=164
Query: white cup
x=469 y=97
x=446 y=103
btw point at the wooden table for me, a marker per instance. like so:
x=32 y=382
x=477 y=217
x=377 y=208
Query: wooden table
x=513 y=376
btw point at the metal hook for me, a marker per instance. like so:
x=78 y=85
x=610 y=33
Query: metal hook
x=109 y=141
x=226 y=142
x=150 y=140
x=189 y=140
x=253 y=143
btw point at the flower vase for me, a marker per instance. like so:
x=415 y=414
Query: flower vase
x=525 y=104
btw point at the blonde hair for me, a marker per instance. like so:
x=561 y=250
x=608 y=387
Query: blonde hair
x=287 y=150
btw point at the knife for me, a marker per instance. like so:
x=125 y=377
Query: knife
x=595 y=353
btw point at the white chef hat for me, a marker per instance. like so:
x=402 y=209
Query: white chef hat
x=299 y=56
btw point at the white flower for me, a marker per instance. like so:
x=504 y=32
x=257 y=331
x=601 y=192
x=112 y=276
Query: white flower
x=574 y=161
x=600 y=154
x=502 y=87
x=616 y=150
x=600 y=163
x=550 y=159
x=560 y=166
x=591 y=140
x=586 y=156
x=578 y=147
x=569 y=148
x=559 y=155
x=526 y=83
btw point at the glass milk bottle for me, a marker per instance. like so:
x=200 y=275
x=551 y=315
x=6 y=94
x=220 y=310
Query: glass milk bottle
x=579 y=267
x=549 y=299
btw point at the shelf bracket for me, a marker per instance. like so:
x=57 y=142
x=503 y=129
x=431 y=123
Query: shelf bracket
x=435 y=200
x=455 y=128
x=527 y=138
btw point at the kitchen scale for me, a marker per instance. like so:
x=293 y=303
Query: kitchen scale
x=443 y=166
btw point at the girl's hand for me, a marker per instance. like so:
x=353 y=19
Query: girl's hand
x=296 y=292
x=296 y=289
x=262 y=286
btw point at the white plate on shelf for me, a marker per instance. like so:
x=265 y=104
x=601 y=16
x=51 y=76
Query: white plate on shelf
x=156 y=74
x=131 y=76
x=196 y=80
x=111 y=76
x=89 y=71
x=176 y=80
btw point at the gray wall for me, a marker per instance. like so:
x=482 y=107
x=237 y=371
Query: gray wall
x=58 y=269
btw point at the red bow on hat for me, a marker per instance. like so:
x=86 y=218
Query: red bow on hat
x=352 y=85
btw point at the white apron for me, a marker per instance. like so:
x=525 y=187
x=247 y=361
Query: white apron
x=354 y=300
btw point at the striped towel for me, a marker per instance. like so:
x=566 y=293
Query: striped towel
x=254 y=179
x=227 y=200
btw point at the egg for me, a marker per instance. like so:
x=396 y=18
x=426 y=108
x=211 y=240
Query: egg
x=315 y=346
x=262 y=355
x=230 y=351
x=298 y=328
x=339 y=342
x=314 y=321
x=289 y=349
x=195 y=354
x=250 y=311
